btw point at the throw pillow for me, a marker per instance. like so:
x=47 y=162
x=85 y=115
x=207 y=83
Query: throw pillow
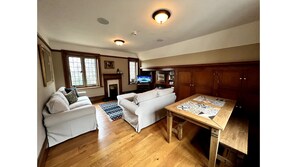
x=67 y=90
x=56 y=105
x=71 y=97
x=62 y=96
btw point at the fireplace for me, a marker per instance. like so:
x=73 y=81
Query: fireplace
x=113 y=91
x=112 y=85
x=113 y=88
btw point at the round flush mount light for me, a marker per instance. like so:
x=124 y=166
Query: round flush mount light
x=119 y=42
x=161 y=16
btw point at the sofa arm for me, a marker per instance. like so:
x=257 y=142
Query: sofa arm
x=128 y=105
x=53 y=119
x=128 y=96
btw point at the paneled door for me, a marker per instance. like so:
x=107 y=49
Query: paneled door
x=251 y=88
x=203 y=80
x=183 y=78
x=228 y=83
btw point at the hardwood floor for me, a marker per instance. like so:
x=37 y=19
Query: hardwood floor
x=117 y=144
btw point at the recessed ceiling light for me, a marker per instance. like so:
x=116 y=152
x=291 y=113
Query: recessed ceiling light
x=119 y=42
x=103 y=21
x=161 y=16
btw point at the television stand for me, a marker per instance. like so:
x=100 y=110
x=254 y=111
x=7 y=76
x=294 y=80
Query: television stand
x=142 y=87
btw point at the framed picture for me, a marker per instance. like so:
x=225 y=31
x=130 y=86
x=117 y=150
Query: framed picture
x=161 y=78
x=46 y=65
x=109 y=64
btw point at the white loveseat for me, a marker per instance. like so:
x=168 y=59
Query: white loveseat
x=64 y=121
x=144 y=109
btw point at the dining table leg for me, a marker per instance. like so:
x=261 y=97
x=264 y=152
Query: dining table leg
x=214 y=145
x=169 y=126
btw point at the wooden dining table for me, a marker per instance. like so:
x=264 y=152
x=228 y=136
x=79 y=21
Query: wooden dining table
x=215 y=123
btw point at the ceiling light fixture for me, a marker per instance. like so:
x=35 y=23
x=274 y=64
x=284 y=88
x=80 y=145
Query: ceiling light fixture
x=119 y=42
x=161 y=16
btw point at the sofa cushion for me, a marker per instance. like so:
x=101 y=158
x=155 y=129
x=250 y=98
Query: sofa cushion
x=145 y=96
x=79 y=104
x=56 y=105
x=62 y=90
x=162 y=92
x=82 y=98
x=62 y=96
x=71 y=97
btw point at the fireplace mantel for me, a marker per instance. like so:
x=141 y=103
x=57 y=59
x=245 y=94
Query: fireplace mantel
x=107 y=77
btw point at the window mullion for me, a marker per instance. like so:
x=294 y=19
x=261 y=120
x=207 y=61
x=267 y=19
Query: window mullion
x=83 y=71
x=97 y=71
x=136 y=69
x=69 y=72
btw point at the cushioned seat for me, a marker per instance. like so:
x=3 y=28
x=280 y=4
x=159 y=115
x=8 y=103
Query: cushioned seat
x=79 y=103
x=83 y=98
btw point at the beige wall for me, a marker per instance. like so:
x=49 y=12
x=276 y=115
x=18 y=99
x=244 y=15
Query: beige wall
x=43 y=94
x=236 y=36
x=58 y=69
x=120 y=63
x=234 y=54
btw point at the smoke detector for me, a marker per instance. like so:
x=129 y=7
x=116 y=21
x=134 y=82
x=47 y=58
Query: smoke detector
x=134 y=33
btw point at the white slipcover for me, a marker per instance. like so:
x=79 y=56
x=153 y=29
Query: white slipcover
x=146 y=112
x=61 y=126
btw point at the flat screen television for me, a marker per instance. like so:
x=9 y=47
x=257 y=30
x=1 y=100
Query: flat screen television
x=144 y=79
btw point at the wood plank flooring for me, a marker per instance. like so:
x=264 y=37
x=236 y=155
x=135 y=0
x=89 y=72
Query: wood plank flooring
x=117 y=144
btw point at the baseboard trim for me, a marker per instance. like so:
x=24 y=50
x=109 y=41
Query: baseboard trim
x=131 y=91
x=43 y=154
x=96 y=99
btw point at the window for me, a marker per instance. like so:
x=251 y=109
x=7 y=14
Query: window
x=133 y=70
x=82 y=69
x=75 y=69
x=91 y=71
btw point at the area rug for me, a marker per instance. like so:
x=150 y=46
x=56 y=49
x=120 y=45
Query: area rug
x=112 y=110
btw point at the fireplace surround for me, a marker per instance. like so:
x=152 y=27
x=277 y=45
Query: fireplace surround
x=112 y=79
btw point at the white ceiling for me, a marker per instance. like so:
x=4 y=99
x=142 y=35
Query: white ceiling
x=75 y=21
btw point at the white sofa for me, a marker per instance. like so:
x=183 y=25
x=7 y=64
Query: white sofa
x=64 y=121
x=144 y=109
